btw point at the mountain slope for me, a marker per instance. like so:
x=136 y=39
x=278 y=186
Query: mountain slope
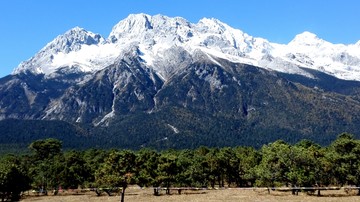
x=253 y=108
x=207 y=103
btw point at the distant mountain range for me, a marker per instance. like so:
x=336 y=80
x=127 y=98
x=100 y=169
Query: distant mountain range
x=164 y=82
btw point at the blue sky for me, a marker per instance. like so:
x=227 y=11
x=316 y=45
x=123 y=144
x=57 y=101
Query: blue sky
x=28 y=25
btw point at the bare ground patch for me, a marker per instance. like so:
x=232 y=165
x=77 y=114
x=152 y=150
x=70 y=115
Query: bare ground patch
x=227 y=195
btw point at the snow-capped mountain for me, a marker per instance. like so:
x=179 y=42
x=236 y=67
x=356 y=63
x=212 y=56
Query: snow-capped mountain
x=166 y=82
x=167 y=44
x=76 y=50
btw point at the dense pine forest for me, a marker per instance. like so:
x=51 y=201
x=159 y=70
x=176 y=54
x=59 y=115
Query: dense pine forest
x=304 y=164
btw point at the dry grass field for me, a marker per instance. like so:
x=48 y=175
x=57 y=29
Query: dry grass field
x=227 y=195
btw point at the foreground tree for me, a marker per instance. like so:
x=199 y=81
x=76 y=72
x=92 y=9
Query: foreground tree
x=146 y=163
x=93 y=159
x=249 y=158
x=194 y=168
x=301 y=164
x=46 y=164
x=214 y=171
x=273 y=166
x=167 y=170
x=46 y=149
x=343 y=154
x=13 y=179
x=76 y=172
x=118 y=170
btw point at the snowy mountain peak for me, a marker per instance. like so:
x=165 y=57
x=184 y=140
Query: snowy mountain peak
x=168 y=44
x=133 y=24
x=213 y=25
x=306 y=38
x=73 y=39
x=53 y=55
x=161 y=21
x=146 y=29
x=306 y=35
x=358 y=44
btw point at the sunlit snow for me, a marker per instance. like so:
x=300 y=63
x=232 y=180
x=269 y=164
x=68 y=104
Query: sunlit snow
x=168 y=44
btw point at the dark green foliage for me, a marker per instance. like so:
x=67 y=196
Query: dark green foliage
x=47 y=163
x=45 y=149
x=49 y=168
x=93 y=158
x=118 y=171
x=168 y=169
x=304 y=164
x=343 y=154
x=13 y=178
x=273 y=166
x=20 y=133
x=76 y=171
x=147 y=162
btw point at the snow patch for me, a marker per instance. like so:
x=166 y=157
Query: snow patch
x=31 y=96
x=176 y=131
x=105 y=118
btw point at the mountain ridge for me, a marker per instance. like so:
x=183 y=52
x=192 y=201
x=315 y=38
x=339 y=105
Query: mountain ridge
x=155 y=35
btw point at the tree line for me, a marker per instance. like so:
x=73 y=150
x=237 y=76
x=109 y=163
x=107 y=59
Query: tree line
x=304 y=164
